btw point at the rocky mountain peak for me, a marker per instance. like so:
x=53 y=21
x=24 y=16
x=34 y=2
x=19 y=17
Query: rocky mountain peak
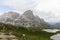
x=27 y=19
x=11 y=14
x=28 y=13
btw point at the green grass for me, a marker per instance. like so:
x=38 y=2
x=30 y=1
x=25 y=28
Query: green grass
x=31 y=33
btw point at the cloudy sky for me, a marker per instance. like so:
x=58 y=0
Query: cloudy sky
x=47 y=9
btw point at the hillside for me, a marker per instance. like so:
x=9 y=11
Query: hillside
x=23 y=33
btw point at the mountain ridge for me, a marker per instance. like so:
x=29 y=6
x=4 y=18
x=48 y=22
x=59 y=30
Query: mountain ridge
x=27 y=19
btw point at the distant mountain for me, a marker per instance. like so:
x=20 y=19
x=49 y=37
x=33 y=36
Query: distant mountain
x=9 y=17
x=27 y=19
x=56 y=25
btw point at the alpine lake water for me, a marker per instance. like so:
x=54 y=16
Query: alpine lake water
x=56 y=36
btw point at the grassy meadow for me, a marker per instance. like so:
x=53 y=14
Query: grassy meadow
x=23 y=33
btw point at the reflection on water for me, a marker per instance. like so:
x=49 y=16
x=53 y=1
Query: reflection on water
x=51 y=30
x=56 y=37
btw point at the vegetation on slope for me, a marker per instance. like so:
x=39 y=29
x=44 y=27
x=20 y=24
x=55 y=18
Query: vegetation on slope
x=24 y=33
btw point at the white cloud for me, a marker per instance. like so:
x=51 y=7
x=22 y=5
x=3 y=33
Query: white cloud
x=21 y=4
x=49 y=9
x=49 y=5
x=14 y=3
x=52 y=6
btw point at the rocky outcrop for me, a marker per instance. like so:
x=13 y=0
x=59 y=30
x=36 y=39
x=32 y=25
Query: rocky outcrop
x=27 y=19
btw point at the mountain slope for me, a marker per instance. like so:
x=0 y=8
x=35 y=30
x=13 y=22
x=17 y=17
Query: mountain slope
x=27 y=19
x=37 y=34
x=9 y=17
